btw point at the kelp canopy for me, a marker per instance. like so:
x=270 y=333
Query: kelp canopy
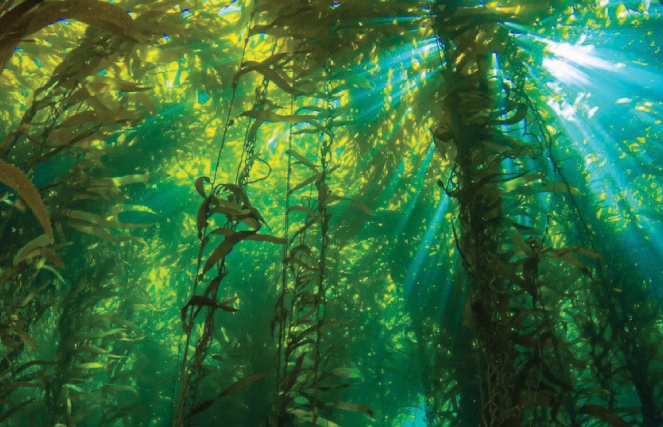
x=331 y=213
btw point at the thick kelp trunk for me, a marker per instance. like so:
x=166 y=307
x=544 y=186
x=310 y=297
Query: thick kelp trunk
x=502 y=286
x=524 y=366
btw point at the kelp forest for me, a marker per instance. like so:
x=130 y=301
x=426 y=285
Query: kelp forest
x=346 y=213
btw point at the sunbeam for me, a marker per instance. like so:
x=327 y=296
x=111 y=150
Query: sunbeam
x=423 y=250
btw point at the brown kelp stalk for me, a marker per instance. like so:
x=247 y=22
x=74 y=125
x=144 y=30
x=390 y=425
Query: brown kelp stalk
x=517 y=354
x=306 y=381
x=323 y=195
x=237 y=210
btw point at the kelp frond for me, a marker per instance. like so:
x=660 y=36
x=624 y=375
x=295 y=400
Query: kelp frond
x=12 y=176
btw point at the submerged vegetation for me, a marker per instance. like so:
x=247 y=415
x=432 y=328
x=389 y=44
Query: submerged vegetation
x=332 y=213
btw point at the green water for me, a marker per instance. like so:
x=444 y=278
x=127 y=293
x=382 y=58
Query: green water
x=352 y=213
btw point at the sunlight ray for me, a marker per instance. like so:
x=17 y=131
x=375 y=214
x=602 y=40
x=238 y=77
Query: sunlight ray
x=416 y=181
x=424 y=247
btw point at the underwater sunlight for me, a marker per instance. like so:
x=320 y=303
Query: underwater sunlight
x=351 y=213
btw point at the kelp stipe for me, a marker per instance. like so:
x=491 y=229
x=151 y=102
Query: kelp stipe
x=236 y=208
x=528 y=368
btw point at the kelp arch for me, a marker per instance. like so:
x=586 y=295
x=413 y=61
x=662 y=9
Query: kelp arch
x=279 y=213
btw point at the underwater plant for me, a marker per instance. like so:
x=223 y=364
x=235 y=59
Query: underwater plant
x=346 y=213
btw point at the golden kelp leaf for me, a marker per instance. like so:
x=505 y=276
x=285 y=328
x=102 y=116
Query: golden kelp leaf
x=201 y=217
x=519 y=242
x=7 y=48
x=61 y=136
x=253 y=130
x=270 y=116
x=94 y=116
x=100 y=334
x=27 y=339
x=314 y=178
x=305 y=183
x=51 y=269
x=200 y=185
x=520 y=113
x=256 y=237
x=143 y=100
x=131 y=179
x=101 y=105
x=103 y=222
x=19 y=182
x=249 y=66
x=77 y=97
x=353 y=407
x=302 y=264
x=225 y=305
x=196 y=300
x=99 y=14
x=232 y=205
x=12 y=343
x=241 y=384
x=605 y=414
x=239 y=193
x=201 y=301
x=19 y=384
x=224 y=248
x=517 y=182
x=100 y=84
x=80 y=118
x=294 y=346
x=100 y=232
x=359 y=205
x=303 y=249
x=268 y=238
x=200 y=408
x=442 y=133
x=119 y=181
x=93 y=349
x=301 y=159
x=230 y=209
x=266 y=69
x=559 y=187
x=575 y=263
x=90 y=365
x=304 y=228
x=251 y=222
x=290 y=379
x=306 y=210
x=301 y=335
x=107 y=16
x=303 y=23
x=14 y=25
x=505 y=270
x=347 y=373
x=558 y=253
x=89 y=138
x=224 y=231
x=27 y=251
x=29 y=297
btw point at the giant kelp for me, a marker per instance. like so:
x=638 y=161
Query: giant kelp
x=316 y=213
